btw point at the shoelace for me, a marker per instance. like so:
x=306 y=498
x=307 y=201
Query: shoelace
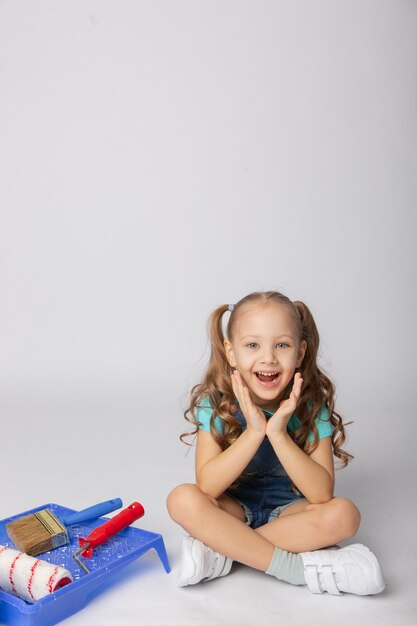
x=312 y=573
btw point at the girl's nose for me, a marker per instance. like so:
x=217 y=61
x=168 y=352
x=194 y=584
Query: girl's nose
x=268 y=356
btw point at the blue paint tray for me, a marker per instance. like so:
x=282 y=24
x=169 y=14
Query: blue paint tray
x=107 y=560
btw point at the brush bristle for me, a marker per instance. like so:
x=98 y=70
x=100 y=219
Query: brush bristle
x=37 y=532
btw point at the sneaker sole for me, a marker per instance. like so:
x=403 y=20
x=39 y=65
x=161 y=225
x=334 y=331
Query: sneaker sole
x=197 y=552
x=374 y=569
x=192 y=557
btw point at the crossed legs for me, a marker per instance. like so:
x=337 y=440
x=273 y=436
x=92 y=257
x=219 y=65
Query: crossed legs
x=220 y=524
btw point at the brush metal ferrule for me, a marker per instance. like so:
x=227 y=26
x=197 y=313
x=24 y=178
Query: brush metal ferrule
x=53 y=526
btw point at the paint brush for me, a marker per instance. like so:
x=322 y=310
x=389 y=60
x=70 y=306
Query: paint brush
x=42 y=531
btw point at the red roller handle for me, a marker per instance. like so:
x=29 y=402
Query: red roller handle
x=112 y=527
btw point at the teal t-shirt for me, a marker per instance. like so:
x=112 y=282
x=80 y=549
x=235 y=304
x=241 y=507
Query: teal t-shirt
x=324 y=426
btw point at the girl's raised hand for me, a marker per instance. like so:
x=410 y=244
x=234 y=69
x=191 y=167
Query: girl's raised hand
x=255 y=419
x=279 y=421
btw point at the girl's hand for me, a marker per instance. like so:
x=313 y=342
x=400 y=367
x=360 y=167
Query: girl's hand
x=255 y=419
x=277 y=424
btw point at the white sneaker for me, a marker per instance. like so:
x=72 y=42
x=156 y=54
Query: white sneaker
x=353 y=569
x=200 y=563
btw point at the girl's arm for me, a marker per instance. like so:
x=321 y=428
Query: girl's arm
x=313 y=475
x=216 y=470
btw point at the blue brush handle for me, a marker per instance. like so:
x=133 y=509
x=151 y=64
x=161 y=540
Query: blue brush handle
x=97 y=510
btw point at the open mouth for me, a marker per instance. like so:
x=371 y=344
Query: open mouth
x=267 y=377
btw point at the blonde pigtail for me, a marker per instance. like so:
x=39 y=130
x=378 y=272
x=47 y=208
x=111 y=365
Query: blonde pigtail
x=318 y=391
x=216 y=387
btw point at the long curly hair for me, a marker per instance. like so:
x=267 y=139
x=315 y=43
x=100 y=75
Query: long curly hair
x=216 y=387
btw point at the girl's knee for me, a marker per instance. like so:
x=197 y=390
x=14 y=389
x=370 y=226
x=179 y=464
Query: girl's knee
x=342 y=517
x=184 y=500
x=179 y=498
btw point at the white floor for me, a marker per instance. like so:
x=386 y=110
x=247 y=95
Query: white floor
x=107 y=463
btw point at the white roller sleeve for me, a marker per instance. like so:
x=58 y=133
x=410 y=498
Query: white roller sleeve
x=28 y=577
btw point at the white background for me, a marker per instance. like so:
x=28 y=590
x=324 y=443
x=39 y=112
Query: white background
x=158 y=159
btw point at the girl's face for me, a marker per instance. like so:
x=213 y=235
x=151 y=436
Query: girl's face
x=265 y=349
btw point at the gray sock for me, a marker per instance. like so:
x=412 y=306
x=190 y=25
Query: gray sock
x=287 y=566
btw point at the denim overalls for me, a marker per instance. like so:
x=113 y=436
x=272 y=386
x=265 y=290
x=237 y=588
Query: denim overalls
x=264 y=487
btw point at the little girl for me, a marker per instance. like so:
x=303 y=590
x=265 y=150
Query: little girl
x=267 y=432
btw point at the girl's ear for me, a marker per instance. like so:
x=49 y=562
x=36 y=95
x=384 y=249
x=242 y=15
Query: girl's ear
x=229 y=353
x=301 y=352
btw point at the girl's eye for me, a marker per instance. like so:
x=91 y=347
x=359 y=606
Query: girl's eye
x=252 y=345
x=281 y=344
